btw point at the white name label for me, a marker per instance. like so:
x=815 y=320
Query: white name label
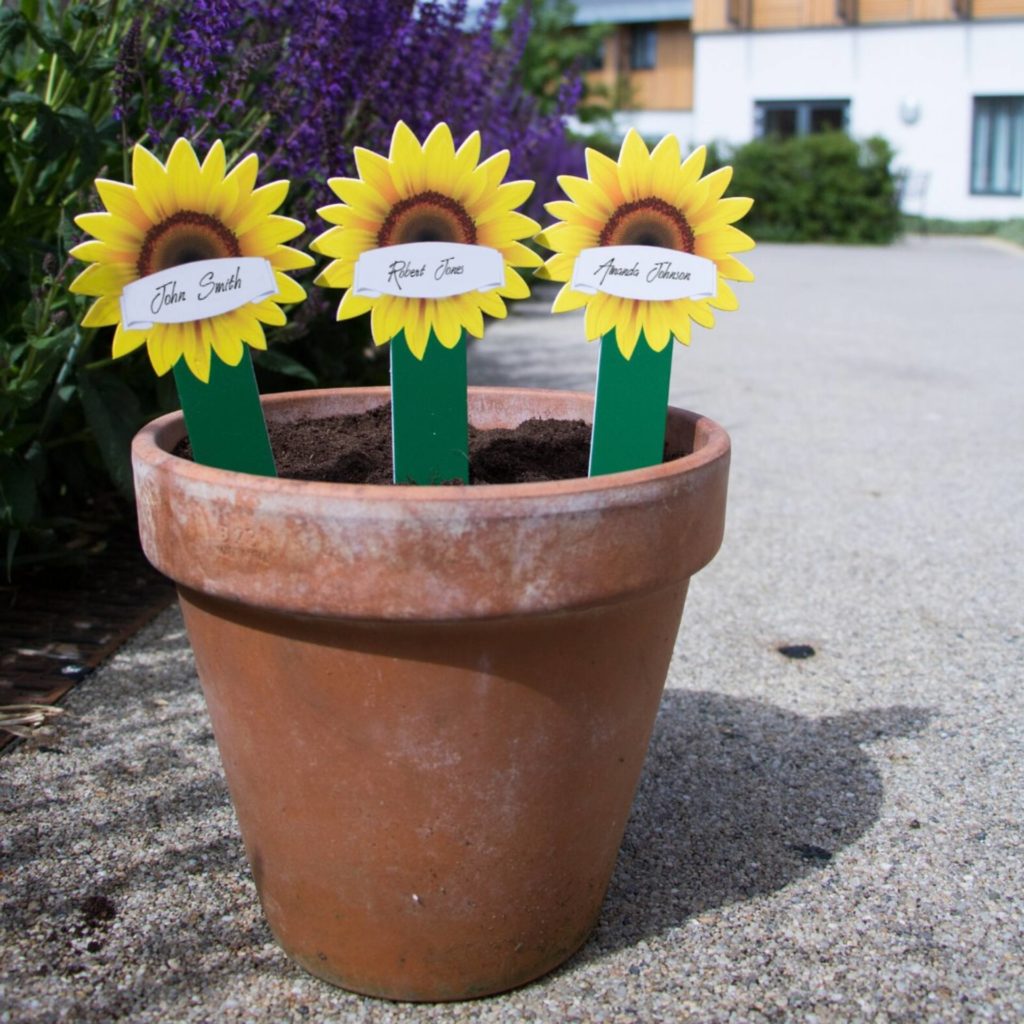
x=644 y=272
x=428 y=270
x=196 y=291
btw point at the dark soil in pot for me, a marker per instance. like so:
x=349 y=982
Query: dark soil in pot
x=357 y=450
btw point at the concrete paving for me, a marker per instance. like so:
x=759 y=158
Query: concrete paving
x=836 y=838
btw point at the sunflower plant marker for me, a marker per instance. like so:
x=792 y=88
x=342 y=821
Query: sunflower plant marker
x=646 y=245
x=189 y=261
x=425 y=240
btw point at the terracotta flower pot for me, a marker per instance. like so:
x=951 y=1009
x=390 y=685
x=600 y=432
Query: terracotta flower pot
x=432 y=703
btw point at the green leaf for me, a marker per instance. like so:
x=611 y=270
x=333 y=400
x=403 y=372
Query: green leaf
x=12 y=30
x=113 y=414
x=276 y=361
x=51 y=42
x=18 y=499
x=59 y=340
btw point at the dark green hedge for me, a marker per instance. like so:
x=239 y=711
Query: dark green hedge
x=817 y=188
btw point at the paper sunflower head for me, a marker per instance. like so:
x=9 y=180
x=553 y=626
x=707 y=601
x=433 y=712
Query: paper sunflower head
x=646 y=198
x=427 y=193
x=181 y=213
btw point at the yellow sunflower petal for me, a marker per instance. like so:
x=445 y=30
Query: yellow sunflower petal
x=514 y=287
x=152 y=189
x=693 y=167
x=717 y=182
x=604 y=174
x=567 y=300
x=366 y=202
x=353 y=305
x=268 y=312
x=492 y=304
x=261 y=202
x=722 y=242
x=592 y=201
x=286 y=258
x=408 y=170
x=700 y=313
x=665 y=168
x=573 y=214
x=733 y=269
x=393 y=312
x=725 y=298
x=375 y=170
x=196 y=344
x=103 y=279
x=377 y=315
x=472 y=318
x=634 y=167
x=627 y=329
x=219 y=335
x=656 y=325
x=164 y=346
x=568 y=238
x=121 y=201
x=184 y=177
x=338 y=274
x=505 y=198
x=445 y=321
x=127 y=341
x=270 y=232
x=520 y=255
x=680 y=322
x=235 y=189
x=249 y=329
x=439 y=152
x=558 y=267
x=725 y=211
x=485 y=179
x=104 y=311
x=600 y=310
x=467 y=157
x=288 y=291
x=120 y=233
x=95 y=251
x=211 y=174
x=417 y=329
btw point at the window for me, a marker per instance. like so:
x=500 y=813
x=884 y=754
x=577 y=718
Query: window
x=594 y=60
x=643 y=45
x=786 y=118
x=997 y=146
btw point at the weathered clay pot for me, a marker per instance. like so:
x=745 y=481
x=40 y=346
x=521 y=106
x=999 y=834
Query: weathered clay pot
x=432 y=703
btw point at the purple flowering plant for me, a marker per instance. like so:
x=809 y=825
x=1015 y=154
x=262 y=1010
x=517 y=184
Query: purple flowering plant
x=302 y=82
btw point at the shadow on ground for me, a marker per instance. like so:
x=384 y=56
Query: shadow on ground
x=739 y=798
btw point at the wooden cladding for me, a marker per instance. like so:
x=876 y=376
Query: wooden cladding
x=738 y=13
x=667 y=85
x=723 y=15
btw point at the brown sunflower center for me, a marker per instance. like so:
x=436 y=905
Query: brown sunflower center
x=427 y=217
x=184 y=237
x=649 y=221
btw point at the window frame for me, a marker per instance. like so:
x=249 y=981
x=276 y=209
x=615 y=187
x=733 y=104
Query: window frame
x=804 y=111
x=643 y=44
x=1015 y=152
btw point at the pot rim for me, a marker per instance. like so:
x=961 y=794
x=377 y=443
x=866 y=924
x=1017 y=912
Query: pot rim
x=431 y=553
x=153 y=443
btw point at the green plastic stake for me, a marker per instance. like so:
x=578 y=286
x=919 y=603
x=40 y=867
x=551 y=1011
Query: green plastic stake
x=630 y=407
x=224 y=417
x=429 y=412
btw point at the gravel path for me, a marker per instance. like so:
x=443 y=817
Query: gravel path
x=834 y=838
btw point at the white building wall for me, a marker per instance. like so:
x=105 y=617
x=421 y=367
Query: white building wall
x=881 y=70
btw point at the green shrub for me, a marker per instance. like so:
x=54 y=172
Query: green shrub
x=817 y=188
